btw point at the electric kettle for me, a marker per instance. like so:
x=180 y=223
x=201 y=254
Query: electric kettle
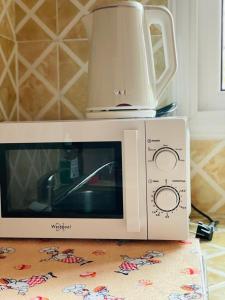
x=122 y=77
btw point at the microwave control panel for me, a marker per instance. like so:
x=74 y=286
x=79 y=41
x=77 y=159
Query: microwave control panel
x=168 y=182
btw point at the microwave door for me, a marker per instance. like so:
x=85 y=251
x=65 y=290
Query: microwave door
x=77 y=180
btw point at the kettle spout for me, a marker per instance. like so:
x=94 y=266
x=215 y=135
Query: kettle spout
x=87 y=21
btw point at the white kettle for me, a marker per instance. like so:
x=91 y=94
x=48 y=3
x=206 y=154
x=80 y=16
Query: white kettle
x=122 y=78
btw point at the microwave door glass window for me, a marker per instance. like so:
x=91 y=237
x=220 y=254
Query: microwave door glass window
x=61 y=180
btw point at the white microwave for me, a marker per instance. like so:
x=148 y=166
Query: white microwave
x=108 y=179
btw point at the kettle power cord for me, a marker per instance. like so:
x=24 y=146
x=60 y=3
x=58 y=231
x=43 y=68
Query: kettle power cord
x=166 y=109
x=205 y=231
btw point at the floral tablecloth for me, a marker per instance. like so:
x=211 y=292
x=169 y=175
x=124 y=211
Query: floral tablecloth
x=100 y=270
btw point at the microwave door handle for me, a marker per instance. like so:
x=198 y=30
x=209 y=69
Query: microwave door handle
x=131 y=180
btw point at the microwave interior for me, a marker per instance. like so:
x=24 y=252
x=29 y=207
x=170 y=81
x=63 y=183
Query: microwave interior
x=61 y=180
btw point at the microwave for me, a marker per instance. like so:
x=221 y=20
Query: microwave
x=104 y=179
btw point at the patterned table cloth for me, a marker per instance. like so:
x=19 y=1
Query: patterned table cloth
x=32 y=269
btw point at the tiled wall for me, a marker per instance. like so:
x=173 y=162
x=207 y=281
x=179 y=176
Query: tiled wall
x=52 y=59
x=208 y=175
x=8 y=81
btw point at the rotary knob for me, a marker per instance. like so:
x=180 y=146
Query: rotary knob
x=166 y=198
x=166 y=159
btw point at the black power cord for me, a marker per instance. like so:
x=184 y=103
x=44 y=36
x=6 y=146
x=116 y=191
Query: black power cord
x=205 y=231
x=160 y=112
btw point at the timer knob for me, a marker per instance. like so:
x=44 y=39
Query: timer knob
x=166 y=159
x=166 y=198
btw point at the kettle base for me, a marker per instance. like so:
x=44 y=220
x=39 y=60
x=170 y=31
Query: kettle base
x=121 y=114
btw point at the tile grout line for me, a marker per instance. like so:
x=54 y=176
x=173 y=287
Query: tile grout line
x=58 y=63
x=210 y=256
x=208 y=179
x=215 y=271
x=216 y=286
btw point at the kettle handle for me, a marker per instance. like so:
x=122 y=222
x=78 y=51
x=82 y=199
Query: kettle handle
x=163 y=17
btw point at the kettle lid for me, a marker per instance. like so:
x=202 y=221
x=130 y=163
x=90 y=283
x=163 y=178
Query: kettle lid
x=112 y=4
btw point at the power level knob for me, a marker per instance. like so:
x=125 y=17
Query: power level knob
x=166 y=198
x=166 y=159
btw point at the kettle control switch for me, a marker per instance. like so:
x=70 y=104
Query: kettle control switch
x=166 y=198
x=166 y=159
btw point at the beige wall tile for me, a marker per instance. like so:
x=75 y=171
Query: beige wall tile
x=83 y=2
x=217 y=294
x=42 y=27
x=79 y=48
x=11 y=14
x=29 y=3
x=66 y=113
x=34 y=97
x=2 y=64
x=7 y=19
x=216 y=168
x=200 y=148
x=31 y=51
x=221 y=211
x=77 y=94
x=214 y=278
x=217 y=261
x=47 y=13
x=32 y=102
x=67 y=11
x=7 y=95
x=48 y=68
x=7 y=47
x=1 y=5
x=19 y=14
x=2 y=117
x=43 y=52
x=13 y=69
x=219 y=238
x=5 y=29
x=32 y=31
x=14 y=116
x=67 y=67
x=77 y=32
x=21 y=69
x=52 y=113
x=202 y=194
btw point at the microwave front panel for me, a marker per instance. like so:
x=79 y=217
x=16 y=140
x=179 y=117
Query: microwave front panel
x=75 y=187
x=168 y=180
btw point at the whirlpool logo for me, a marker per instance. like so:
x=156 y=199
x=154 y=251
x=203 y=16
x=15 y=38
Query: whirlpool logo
x=61 y=227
